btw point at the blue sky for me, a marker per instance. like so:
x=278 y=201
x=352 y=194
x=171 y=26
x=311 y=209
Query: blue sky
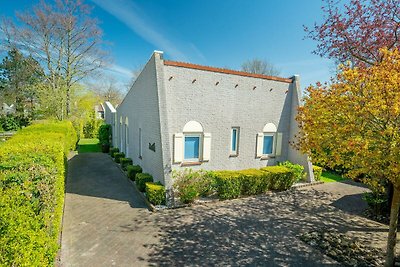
x=216 y=33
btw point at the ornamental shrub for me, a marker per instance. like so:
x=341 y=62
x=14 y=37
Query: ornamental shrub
x=228 y=184
x=232 y=184
x=155 y=193
x=105 y=132
x=297 y=169
x=113 y=150
x=280 y=177
x=189 y=184
x=32 y=173
x=317 y=172
x=118 y=156
x=125 y=162
x=132 y=170
x=254 y=182
x=141 y=179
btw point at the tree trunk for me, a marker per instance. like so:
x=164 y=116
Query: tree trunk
x=391 y=242
x=68 y=102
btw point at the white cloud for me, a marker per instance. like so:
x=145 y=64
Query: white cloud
x=122 y=71
x=130 y=14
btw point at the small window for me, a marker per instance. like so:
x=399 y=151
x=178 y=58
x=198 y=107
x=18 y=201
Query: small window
x=192 y=148
x=268 y=144
x=234 y=140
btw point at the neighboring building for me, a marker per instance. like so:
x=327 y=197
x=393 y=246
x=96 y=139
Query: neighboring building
x=6 y=109
x=99 y=111
x=179 y=115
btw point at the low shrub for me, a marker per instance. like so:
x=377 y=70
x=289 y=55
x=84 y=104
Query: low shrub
x=113 y=150
x=232 y=184
x=125 y=162
x=280 y=177
x=297 y=169
x=317 y=172
x=32 y=174
x=228 y=184
x=132 y=170
x=118 y=156
x=141 y=179
x=253 y=182
x=189 y=184
x=155 y=193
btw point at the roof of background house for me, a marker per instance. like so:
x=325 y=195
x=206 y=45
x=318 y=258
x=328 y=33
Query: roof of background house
x=226 y=71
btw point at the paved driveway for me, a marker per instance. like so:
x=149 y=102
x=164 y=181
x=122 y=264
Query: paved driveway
x=106 y=224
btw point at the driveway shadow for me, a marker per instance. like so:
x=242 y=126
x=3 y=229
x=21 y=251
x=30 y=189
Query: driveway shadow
x=254 y=231
x=96 y=175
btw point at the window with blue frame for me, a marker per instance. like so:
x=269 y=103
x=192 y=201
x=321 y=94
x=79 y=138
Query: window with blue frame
x=234 y=140
x=192 y=147
x=268 y=145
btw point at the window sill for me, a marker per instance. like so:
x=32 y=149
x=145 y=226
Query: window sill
x=191 y=163
x=233 y=155
x=267 y=157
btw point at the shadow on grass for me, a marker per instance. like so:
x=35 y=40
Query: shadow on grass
x=89 y=145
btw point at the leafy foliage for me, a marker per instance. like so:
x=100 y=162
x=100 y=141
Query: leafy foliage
x=32 y=174
x=297 y=169
x=113 y=150
x=118 y=156
x=357 y=31
x=105 y=132
x=132 y=170
x=355 y=123
x=141 y=180
x=190 y=184
x=317 y=172
x=155 y=193
x=125 y=162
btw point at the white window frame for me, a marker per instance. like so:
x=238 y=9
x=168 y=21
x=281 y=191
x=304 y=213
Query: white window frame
x=200 y=136
x=236 y=151
x=273 y=144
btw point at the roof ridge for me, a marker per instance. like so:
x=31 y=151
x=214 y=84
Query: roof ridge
x=226 y=71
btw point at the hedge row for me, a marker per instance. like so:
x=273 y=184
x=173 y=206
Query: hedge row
x=32 y=173
x=232 y=184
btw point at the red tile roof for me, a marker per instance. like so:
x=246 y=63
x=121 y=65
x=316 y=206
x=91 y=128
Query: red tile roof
x=226 y=71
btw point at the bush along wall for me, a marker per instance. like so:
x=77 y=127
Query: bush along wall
x=233 y=184
x=32 y=173
x=141 y=179
x=132 y=170
x=155 y=193
x=125 y=162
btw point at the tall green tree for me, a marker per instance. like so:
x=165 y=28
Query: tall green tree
x=355 y=123
x=19 y=76
x=63 y=37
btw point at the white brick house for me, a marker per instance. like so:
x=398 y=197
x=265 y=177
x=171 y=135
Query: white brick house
x=179 y=115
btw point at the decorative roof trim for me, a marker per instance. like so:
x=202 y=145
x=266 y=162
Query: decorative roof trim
x=226 y=71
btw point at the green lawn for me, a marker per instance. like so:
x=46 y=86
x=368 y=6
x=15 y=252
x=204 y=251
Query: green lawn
x=328 y=177
x=86 y=145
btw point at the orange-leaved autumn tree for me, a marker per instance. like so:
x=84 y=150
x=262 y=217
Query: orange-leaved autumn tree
x=355 y=122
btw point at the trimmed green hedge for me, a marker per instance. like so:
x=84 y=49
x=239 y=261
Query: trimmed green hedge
x=232 y=184
x=132 y=170
x=155 y=193
x=113 y=150
x=125 y=162
x=32 y=174
x=317 y=172
x=141 y=179
x=118 y=156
